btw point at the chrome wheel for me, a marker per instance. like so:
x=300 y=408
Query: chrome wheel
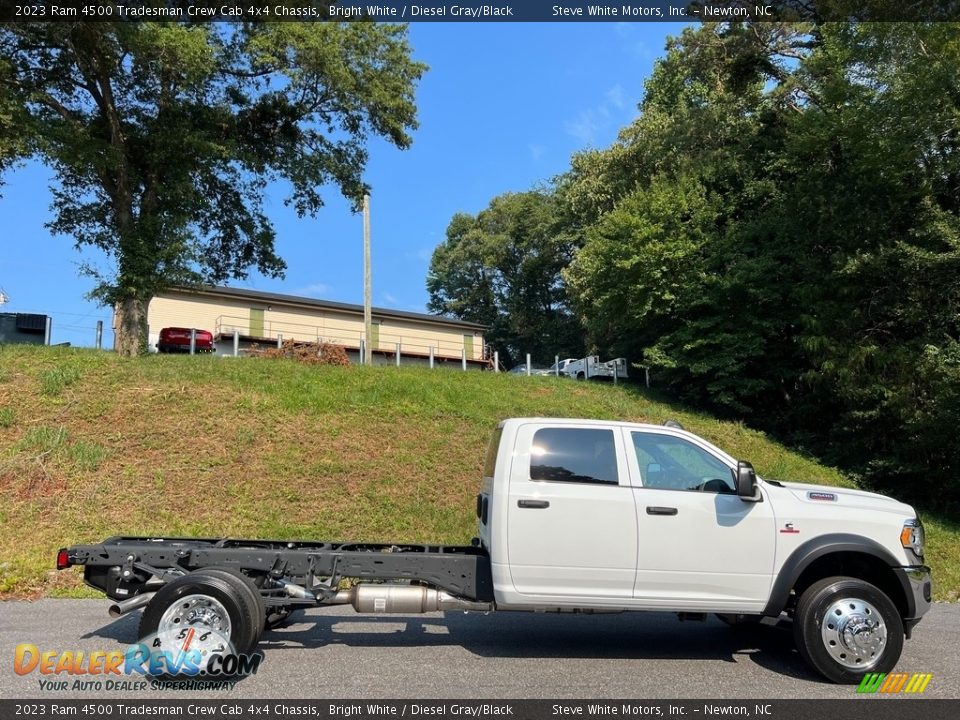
x=195 y=622
x=854 y=633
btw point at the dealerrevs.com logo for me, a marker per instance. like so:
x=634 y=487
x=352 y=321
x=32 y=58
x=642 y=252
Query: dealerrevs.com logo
x=894 y=683
x=140 y=665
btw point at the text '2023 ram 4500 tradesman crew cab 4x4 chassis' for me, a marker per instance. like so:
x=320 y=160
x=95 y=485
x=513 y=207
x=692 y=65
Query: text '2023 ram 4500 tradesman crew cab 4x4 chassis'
x=574 y=516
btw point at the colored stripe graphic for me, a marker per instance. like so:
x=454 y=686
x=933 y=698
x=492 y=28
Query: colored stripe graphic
x=894 y=683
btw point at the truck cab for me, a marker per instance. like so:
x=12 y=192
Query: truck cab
x=622 y=516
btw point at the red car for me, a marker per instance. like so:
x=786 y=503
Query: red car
x=177 y=340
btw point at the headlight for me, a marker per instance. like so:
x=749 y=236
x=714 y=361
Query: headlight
x=911 y=537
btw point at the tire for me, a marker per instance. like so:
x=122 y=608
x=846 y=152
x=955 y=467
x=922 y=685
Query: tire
x=248 y=586
x=845 y=628
x=223 y=600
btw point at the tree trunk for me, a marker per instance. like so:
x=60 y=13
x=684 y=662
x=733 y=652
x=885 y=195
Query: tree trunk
x=132 y=326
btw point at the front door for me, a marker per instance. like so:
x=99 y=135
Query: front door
x=698 y=541
x=571 y=526
x=256 y=323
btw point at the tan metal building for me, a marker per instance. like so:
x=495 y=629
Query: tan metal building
x=261 y=317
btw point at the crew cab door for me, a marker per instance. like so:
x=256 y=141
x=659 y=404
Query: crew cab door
x=572 y=525
x=700 y=545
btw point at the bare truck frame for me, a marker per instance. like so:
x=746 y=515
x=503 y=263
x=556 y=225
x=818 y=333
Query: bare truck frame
x=283 y=575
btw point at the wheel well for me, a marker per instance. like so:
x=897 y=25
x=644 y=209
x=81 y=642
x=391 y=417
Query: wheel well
x=857 y=565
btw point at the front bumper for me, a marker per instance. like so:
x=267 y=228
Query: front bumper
x=918 y=589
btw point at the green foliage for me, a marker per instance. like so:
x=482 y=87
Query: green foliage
x=777 y=235
x=502 y=268
x=163 y=136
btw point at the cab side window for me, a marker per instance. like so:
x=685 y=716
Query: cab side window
x=579 y=455
x=671 y=463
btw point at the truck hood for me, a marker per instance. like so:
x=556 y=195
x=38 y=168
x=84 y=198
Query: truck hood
x=847 y=497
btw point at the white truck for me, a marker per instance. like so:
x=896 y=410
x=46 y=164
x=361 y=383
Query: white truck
x=574 y=516
x=592 y=367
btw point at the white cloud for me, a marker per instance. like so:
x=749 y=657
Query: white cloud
x=390 y=299
x=536 y=151
x=590 y=122
x=615 y=97
x=316 y=290
x=584 y=127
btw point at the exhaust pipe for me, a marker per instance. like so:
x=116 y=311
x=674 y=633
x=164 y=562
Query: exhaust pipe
x=296 y=591
x=122 y=607
x=404 y=599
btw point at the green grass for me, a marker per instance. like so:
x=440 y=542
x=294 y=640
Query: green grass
x=95 y=445
x=54 y=380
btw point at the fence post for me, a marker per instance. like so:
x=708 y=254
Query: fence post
x=363 y=350
x=528 y=365
x=99 y=334
x=556 y=365
x=398 y=354
x=496 y=361
x=615 y=373
x=431 y=357
x=47 y=330
x=236 y=342
x=193 y=341
x=463 y=358
x=279 y=340
x=646 y=372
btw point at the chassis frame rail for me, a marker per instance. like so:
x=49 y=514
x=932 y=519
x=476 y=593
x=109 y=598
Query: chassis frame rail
x=121 y=566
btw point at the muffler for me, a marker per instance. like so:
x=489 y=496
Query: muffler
x=122 y=607
x=404 y=599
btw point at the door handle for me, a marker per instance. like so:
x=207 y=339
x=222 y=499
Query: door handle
x=659 y=510
x=533 y=504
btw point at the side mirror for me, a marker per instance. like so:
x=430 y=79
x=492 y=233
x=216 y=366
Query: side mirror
x=746 y=481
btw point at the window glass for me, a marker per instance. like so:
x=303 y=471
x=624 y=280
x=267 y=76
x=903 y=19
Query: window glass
x=673 y=463
x=573 y=455
x=490 y=465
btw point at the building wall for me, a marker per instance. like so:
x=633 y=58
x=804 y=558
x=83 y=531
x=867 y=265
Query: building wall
x=11 y=333
x=224 y=315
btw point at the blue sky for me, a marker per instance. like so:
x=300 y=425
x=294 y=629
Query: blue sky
x=502 y=108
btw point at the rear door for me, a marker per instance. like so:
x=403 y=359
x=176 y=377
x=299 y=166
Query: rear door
x=572 y=524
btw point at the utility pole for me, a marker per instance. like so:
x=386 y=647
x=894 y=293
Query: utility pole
x=367 y=292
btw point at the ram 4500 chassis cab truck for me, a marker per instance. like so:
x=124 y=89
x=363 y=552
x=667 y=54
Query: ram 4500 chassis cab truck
x=574 y=516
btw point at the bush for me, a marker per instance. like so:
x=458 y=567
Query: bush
x=303 y=352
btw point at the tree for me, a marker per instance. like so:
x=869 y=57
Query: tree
x=163 y=136
x=681 y=267
x=502 y=268
x=778 y=234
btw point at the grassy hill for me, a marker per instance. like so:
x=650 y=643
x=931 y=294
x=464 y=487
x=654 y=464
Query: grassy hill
x=93 y=445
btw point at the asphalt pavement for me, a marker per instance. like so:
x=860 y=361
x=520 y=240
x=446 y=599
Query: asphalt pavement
x=335 y=653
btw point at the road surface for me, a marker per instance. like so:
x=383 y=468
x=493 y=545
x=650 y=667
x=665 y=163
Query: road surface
x=334 y=653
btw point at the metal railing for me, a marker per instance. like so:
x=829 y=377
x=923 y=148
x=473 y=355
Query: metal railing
x=387 y=339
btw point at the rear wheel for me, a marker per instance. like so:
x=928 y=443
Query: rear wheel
x=207 y=612
x=845 y=627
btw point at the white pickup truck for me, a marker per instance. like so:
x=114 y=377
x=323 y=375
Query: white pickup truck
x=574 y=516
x=591 y=367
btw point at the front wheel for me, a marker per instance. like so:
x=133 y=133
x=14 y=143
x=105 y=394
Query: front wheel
x=845 y=628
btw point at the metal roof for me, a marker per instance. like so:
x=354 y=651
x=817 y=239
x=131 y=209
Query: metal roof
x=277 y=298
